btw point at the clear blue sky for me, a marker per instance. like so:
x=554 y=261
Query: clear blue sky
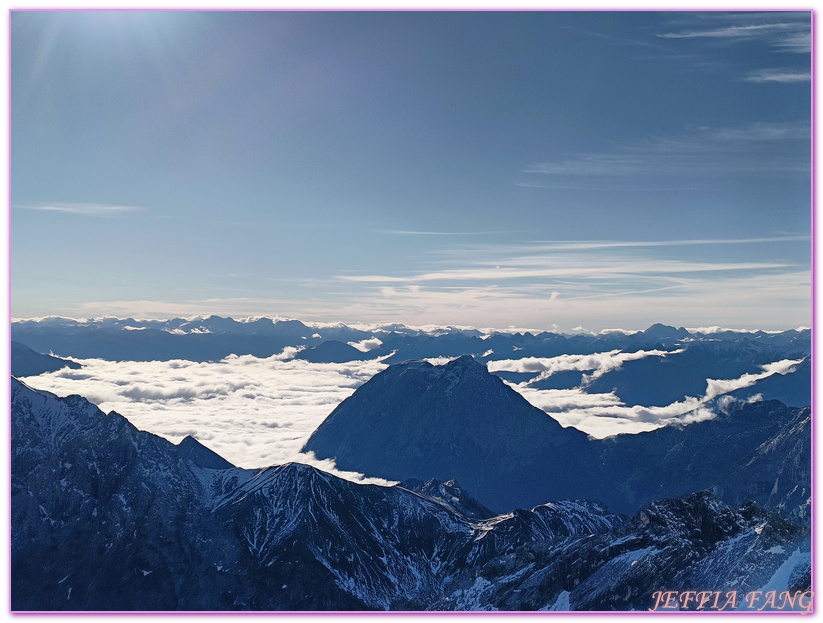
x=490 y=169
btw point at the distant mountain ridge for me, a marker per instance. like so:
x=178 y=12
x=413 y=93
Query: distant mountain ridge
x=26 y=362
x=107 y=517
x=671 y=363
x=333 y=351
x=215 y=337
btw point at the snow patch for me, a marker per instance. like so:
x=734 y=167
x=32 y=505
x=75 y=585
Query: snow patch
x=561 y=603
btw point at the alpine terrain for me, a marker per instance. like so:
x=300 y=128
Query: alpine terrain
x=417 y=420
x=107 y=517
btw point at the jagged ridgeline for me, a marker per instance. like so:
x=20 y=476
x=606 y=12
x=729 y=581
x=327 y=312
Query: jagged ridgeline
x=107 y=517
x=498 y=506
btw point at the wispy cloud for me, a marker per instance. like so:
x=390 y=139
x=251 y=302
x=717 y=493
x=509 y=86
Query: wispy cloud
x=800 y=43
x=403 y=232
x=598 y=363
x=792 y=33
x=785 y=76
x=593 y=245
x=753 y=30
x=774 y=32
x=762 y=149
x=626 y=267
x=597 y=284
x=98 y=210
x=766 y=301
x=600 y=284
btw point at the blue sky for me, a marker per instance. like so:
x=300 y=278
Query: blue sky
x=540 y=170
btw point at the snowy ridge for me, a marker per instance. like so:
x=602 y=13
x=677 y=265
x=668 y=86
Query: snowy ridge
x=390 y=545
x=692 y=543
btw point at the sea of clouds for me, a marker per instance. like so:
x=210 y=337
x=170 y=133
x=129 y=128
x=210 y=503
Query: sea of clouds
x=252 y=411
x=604 y=414
x=257 y=412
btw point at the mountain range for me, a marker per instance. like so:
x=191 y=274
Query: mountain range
x=107 y=517
x=657 y=367
x=215 y=337
x=498 y=506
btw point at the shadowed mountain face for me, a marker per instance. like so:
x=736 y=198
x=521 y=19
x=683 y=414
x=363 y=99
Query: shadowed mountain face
x=107 y=517
x=691 y=543
x=333 y=351
x=415 y=420
x=759 y=451
x=26 y=362
x=793 y=389
x=659 y=381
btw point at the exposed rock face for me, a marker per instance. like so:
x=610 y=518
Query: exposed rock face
x=450 y=494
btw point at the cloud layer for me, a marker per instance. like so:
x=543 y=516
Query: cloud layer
x=599 y=363
x=257 y=412
x=603 y=415
x=254 y=412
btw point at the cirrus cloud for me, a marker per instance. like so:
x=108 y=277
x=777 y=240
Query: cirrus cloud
x=98 y=210
x=785 y=76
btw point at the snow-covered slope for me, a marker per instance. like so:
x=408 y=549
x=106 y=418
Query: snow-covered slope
x=695 y=543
